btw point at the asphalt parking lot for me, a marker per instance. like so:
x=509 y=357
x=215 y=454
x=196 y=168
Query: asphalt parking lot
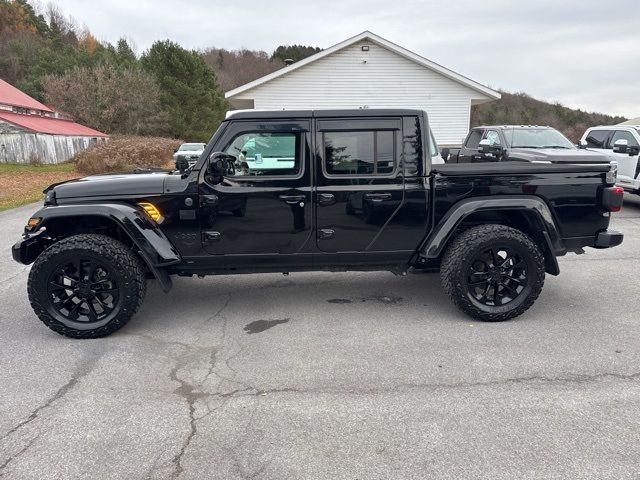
x=319 y=375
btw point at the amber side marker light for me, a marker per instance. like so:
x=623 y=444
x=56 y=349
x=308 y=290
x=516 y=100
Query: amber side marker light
x=33 y=223
x=152 y=211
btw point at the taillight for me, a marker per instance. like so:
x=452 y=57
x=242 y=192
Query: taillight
x=612 y=199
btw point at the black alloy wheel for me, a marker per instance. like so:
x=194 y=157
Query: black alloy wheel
x=83 y=290
x=497 y=276
x=492 y=272
x=86 y=285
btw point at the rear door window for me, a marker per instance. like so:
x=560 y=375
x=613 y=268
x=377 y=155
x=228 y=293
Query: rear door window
x=623 y=135
x=360 y=153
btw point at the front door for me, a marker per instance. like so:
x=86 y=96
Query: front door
x=262 y=207
x=469 y=151
x=360 y=187
x=627 y=164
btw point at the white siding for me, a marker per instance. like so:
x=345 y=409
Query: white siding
x=379 y=78
x=26 y=147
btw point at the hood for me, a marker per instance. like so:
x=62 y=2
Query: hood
x=111 y=185
x=188 y=153
x=558 y=155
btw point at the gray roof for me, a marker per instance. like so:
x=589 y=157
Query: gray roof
x=633 y=121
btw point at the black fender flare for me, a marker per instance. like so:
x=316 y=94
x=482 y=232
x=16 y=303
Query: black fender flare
x=155 y=248
x=435 y=243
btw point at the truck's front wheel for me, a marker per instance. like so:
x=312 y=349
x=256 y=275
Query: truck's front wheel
x=86 y=286
x=493 y=272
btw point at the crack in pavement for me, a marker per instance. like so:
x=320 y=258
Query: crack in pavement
x=18 y=454
x=4 y=280
x=86 y=367
x=87 y=364
x=577 y=378
x=187 y=391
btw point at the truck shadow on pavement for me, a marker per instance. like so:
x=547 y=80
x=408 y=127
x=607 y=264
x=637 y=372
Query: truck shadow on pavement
x=259 y=302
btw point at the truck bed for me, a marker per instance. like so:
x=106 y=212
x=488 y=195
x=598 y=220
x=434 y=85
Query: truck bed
x=503 y=168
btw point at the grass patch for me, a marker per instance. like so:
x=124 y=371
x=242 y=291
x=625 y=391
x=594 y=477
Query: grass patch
x=23 y=183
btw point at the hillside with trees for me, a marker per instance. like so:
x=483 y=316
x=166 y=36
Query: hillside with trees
x=521 y=109
x=172 y=91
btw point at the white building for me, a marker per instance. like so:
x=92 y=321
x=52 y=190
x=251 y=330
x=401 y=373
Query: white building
x=367 y=71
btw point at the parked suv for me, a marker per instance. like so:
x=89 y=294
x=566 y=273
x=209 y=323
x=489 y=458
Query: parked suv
x=523 y=143
x=188 y=152
x=492 y=230
x=622 y=142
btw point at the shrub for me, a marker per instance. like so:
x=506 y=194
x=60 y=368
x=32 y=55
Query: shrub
x=125 y=153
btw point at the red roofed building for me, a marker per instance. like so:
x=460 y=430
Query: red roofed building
x=29 y=130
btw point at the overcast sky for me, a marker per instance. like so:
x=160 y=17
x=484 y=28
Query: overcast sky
x=583 y=53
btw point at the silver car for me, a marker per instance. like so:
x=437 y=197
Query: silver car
x=190 y=152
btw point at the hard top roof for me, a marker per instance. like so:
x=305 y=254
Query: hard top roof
x=354 y=112
x=510 y=127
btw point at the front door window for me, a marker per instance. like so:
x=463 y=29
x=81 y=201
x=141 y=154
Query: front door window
x=265 y=154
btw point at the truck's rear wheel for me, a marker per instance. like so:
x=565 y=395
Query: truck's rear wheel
x=493 y=272
x=86 y=286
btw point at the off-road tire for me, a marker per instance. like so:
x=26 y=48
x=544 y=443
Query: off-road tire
x=127 y=266
x=456 y=263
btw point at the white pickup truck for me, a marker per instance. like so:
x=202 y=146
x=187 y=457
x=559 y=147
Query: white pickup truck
x=623 y=143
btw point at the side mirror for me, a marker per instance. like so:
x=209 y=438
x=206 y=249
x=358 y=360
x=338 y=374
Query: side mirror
x=444 y=153
x=175 y=150
x=582 y=144
x=221 y=164
x=182 y=164
x=621 y=146
x=485 y=147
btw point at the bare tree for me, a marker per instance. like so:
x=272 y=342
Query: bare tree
x=109 y=99
x=237 y=67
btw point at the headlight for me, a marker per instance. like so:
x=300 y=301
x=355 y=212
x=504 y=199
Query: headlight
x=612 y=174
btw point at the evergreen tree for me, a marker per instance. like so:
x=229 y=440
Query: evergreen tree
x=189 y=90
x=293 y=52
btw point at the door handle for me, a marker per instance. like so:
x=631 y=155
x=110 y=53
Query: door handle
x=326 y=233
x=210 y=199
x=377 y=197
x=325 y=199
x=212 y=236
x=292 y=199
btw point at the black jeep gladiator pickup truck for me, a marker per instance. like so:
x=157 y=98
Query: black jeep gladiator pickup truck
x=338 y=190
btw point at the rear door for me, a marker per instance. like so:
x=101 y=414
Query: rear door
x=360 y=187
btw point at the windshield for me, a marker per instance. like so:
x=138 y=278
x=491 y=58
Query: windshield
x=537 y=138
x=191 y=147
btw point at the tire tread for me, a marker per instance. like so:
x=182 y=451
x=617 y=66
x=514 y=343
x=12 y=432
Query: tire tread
x=118 y=253
x=464 y=245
